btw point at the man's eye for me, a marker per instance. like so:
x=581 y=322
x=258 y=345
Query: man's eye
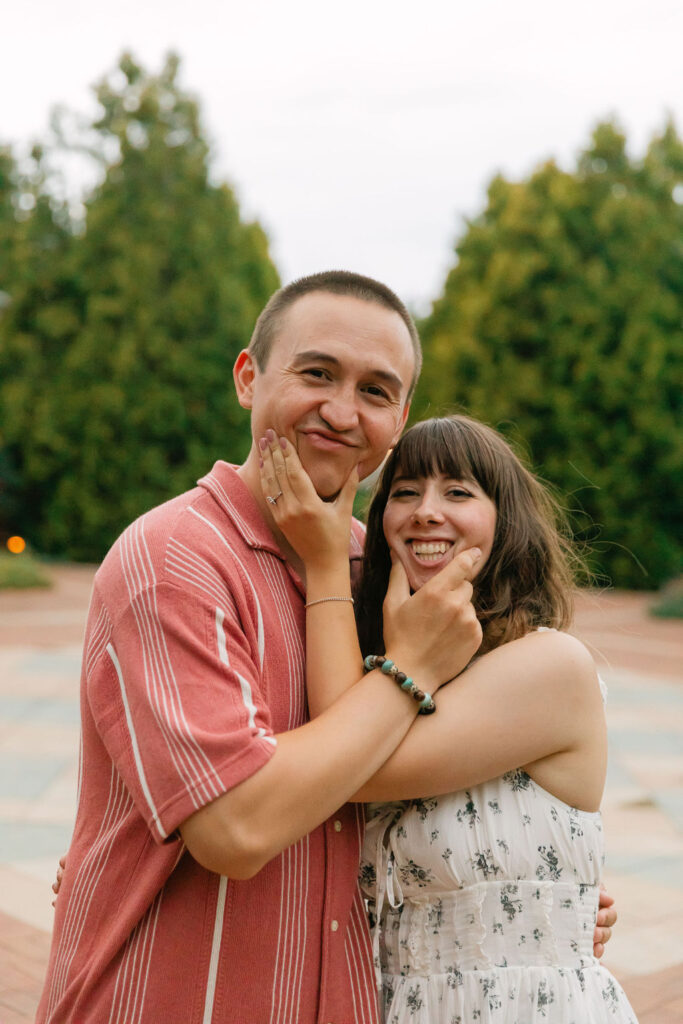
x=316 y=372
x=375 y=390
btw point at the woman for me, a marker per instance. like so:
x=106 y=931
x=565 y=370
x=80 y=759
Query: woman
x=484 y=879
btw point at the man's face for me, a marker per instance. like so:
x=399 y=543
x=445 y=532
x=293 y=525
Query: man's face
x=335 y=385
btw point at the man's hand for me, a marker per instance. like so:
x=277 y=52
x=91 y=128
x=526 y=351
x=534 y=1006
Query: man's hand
x=433 y=633
x=606 y=920
x=56 y=885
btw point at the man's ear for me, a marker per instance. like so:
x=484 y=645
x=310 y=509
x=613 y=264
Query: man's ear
x=401 y=424
x=244 y=374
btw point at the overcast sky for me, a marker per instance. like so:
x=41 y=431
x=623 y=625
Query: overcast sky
x=361 y=133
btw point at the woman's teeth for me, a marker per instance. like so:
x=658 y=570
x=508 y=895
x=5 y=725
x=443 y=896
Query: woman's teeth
x=430 y=552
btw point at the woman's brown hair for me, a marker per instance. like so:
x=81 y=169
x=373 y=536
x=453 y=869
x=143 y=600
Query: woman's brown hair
x=528 y=579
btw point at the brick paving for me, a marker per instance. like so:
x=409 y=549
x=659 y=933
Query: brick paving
x=640 y=657
x=24 y=955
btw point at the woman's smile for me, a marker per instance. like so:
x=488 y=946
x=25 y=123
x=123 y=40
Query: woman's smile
x=431 y=551
x=428 y=520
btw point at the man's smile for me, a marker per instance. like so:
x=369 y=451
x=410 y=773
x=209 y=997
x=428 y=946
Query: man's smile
x=327 y=440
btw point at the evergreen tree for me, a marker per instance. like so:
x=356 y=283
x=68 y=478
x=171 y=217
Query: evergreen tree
x=562 y=323
x=40 y=309
x=141 y=400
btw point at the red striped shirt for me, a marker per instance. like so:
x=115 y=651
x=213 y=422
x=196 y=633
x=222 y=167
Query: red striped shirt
x=193 y=661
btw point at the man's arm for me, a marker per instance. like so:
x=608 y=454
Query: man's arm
x=607 y=918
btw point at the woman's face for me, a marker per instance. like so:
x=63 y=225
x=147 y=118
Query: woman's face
x=428 y=520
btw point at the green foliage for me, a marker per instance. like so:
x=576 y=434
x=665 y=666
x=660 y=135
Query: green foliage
x=562 y=323
x=361 y=503
x=669 y=603
x=19 y=572
x=116 y=363
x=39 y=315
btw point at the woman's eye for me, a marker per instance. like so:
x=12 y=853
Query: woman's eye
x=459 y=492
x=404 y=492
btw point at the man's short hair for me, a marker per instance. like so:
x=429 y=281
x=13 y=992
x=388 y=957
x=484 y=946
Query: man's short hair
x=337 y=282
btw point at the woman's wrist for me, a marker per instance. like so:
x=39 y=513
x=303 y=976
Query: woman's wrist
x=328 y=582
x=327 y=563
x=422 y=677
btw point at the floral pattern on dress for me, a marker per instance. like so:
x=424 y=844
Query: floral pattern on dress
x=410 y=871
x=500 y=876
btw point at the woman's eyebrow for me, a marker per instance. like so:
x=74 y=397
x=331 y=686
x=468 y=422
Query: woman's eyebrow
x=401 y=478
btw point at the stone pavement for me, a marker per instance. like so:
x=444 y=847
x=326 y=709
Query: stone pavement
x=640 y=658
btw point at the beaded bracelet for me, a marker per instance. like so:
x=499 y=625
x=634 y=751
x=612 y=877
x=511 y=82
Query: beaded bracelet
x=384 y=664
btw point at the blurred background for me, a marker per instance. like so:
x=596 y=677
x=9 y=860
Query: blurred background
x=513 y=171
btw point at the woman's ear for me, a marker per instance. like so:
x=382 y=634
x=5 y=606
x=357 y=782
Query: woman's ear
x=244 y=375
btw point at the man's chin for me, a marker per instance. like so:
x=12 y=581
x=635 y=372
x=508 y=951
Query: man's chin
x=327 y=491
x=327 y=485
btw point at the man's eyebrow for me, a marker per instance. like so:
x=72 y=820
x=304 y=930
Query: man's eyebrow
x=313 y=356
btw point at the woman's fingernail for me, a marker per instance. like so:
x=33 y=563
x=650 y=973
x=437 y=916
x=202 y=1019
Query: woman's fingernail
x=270 y=435
x=263 y=444
x=283 y=443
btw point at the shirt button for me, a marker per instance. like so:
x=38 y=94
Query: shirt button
x=334 y=925
x=337 y=825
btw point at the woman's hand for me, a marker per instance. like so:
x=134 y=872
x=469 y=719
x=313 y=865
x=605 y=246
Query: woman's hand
x=319 y=531
x=438 y=620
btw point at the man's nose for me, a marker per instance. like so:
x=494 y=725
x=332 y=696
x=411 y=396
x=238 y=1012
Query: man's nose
x=340 y=410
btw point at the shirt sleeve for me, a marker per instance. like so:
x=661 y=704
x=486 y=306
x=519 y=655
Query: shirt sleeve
x=177 y=702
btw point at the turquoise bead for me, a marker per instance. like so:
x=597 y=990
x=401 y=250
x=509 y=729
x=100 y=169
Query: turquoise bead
x=427 y=701
x=387 y=667
x=408 y=684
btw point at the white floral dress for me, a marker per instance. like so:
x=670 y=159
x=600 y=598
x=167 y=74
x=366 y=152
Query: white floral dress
x=485 y=903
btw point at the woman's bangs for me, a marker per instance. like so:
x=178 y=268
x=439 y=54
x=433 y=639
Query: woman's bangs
x=432 y=448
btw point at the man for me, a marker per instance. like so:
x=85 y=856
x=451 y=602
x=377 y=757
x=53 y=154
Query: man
x=212 y=872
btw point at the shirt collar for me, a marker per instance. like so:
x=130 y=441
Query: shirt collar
x=236 y=500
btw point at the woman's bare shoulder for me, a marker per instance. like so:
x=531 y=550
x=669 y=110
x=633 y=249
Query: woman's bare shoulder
x=549 y=655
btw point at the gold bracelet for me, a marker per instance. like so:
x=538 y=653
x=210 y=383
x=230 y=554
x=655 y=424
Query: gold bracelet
x=321 y=600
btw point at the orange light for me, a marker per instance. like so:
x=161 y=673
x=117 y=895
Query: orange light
x=16 y=545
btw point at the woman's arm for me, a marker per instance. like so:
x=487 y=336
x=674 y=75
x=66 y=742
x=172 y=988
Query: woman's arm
x=319 y=531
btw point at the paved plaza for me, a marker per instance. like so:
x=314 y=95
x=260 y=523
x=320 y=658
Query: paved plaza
x=640 y=658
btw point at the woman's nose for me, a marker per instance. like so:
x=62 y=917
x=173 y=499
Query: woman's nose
x=428 y=511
